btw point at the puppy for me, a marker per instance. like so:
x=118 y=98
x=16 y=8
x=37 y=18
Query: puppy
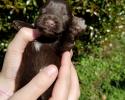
x=58 y=29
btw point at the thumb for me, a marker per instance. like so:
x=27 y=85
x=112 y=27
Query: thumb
x=38 y=85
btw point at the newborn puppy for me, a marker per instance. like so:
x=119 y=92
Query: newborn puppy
x=58 y=29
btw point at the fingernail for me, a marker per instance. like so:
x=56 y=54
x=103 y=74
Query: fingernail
x=50 y=70
x=71 y=52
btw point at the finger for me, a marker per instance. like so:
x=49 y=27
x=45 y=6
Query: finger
x=74 y=89
x=62 y=85
x=15 y=50
x=38 y=85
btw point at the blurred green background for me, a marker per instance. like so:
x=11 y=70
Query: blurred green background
x=99 y=53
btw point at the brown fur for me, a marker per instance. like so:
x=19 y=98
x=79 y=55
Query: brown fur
x=54 y=40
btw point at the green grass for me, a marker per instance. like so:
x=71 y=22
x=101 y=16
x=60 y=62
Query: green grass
x=103 y=75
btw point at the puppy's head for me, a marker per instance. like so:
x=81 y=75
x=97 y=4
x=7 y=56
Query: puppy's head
x=54 y=18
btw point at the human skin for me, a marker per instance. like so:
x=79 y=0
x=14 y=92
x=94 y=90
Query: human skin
x=65 y=88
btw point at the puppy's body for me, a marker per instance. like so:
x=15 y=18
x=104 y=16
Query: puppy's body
x=36 y=57
x=58 y=29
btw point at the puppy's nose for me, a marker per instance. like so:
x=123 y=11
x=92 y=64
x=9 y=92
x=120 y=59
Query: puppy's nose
x=50 y=23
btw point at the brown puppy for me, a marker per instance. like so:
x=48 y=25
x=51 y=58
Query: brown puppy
x=58 y=29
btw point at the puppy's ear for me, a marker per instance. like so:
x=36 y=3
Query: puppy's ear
x=17 y=24
x=42 y=10
x=78 y=25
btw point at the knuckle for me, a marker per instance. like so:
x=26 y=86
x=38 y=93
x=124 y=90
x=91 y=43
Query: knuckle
x=26 y=33
x=38 y=85
x=22 y=29
x=41 y=82
x=11 y=49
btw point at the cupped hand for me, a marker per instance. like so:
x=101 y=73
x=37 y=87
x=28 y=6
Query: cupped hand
x=66 y=86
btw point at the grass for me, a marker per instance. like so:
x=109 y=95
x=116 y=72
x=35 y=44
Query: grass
x=103 y=76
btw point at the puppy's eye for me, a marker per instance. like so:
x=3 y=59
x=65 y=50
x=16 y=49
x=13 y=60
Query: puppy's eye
x=43 y=10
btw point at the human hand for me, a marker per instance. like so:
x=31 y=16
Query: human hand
x=66 y=86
